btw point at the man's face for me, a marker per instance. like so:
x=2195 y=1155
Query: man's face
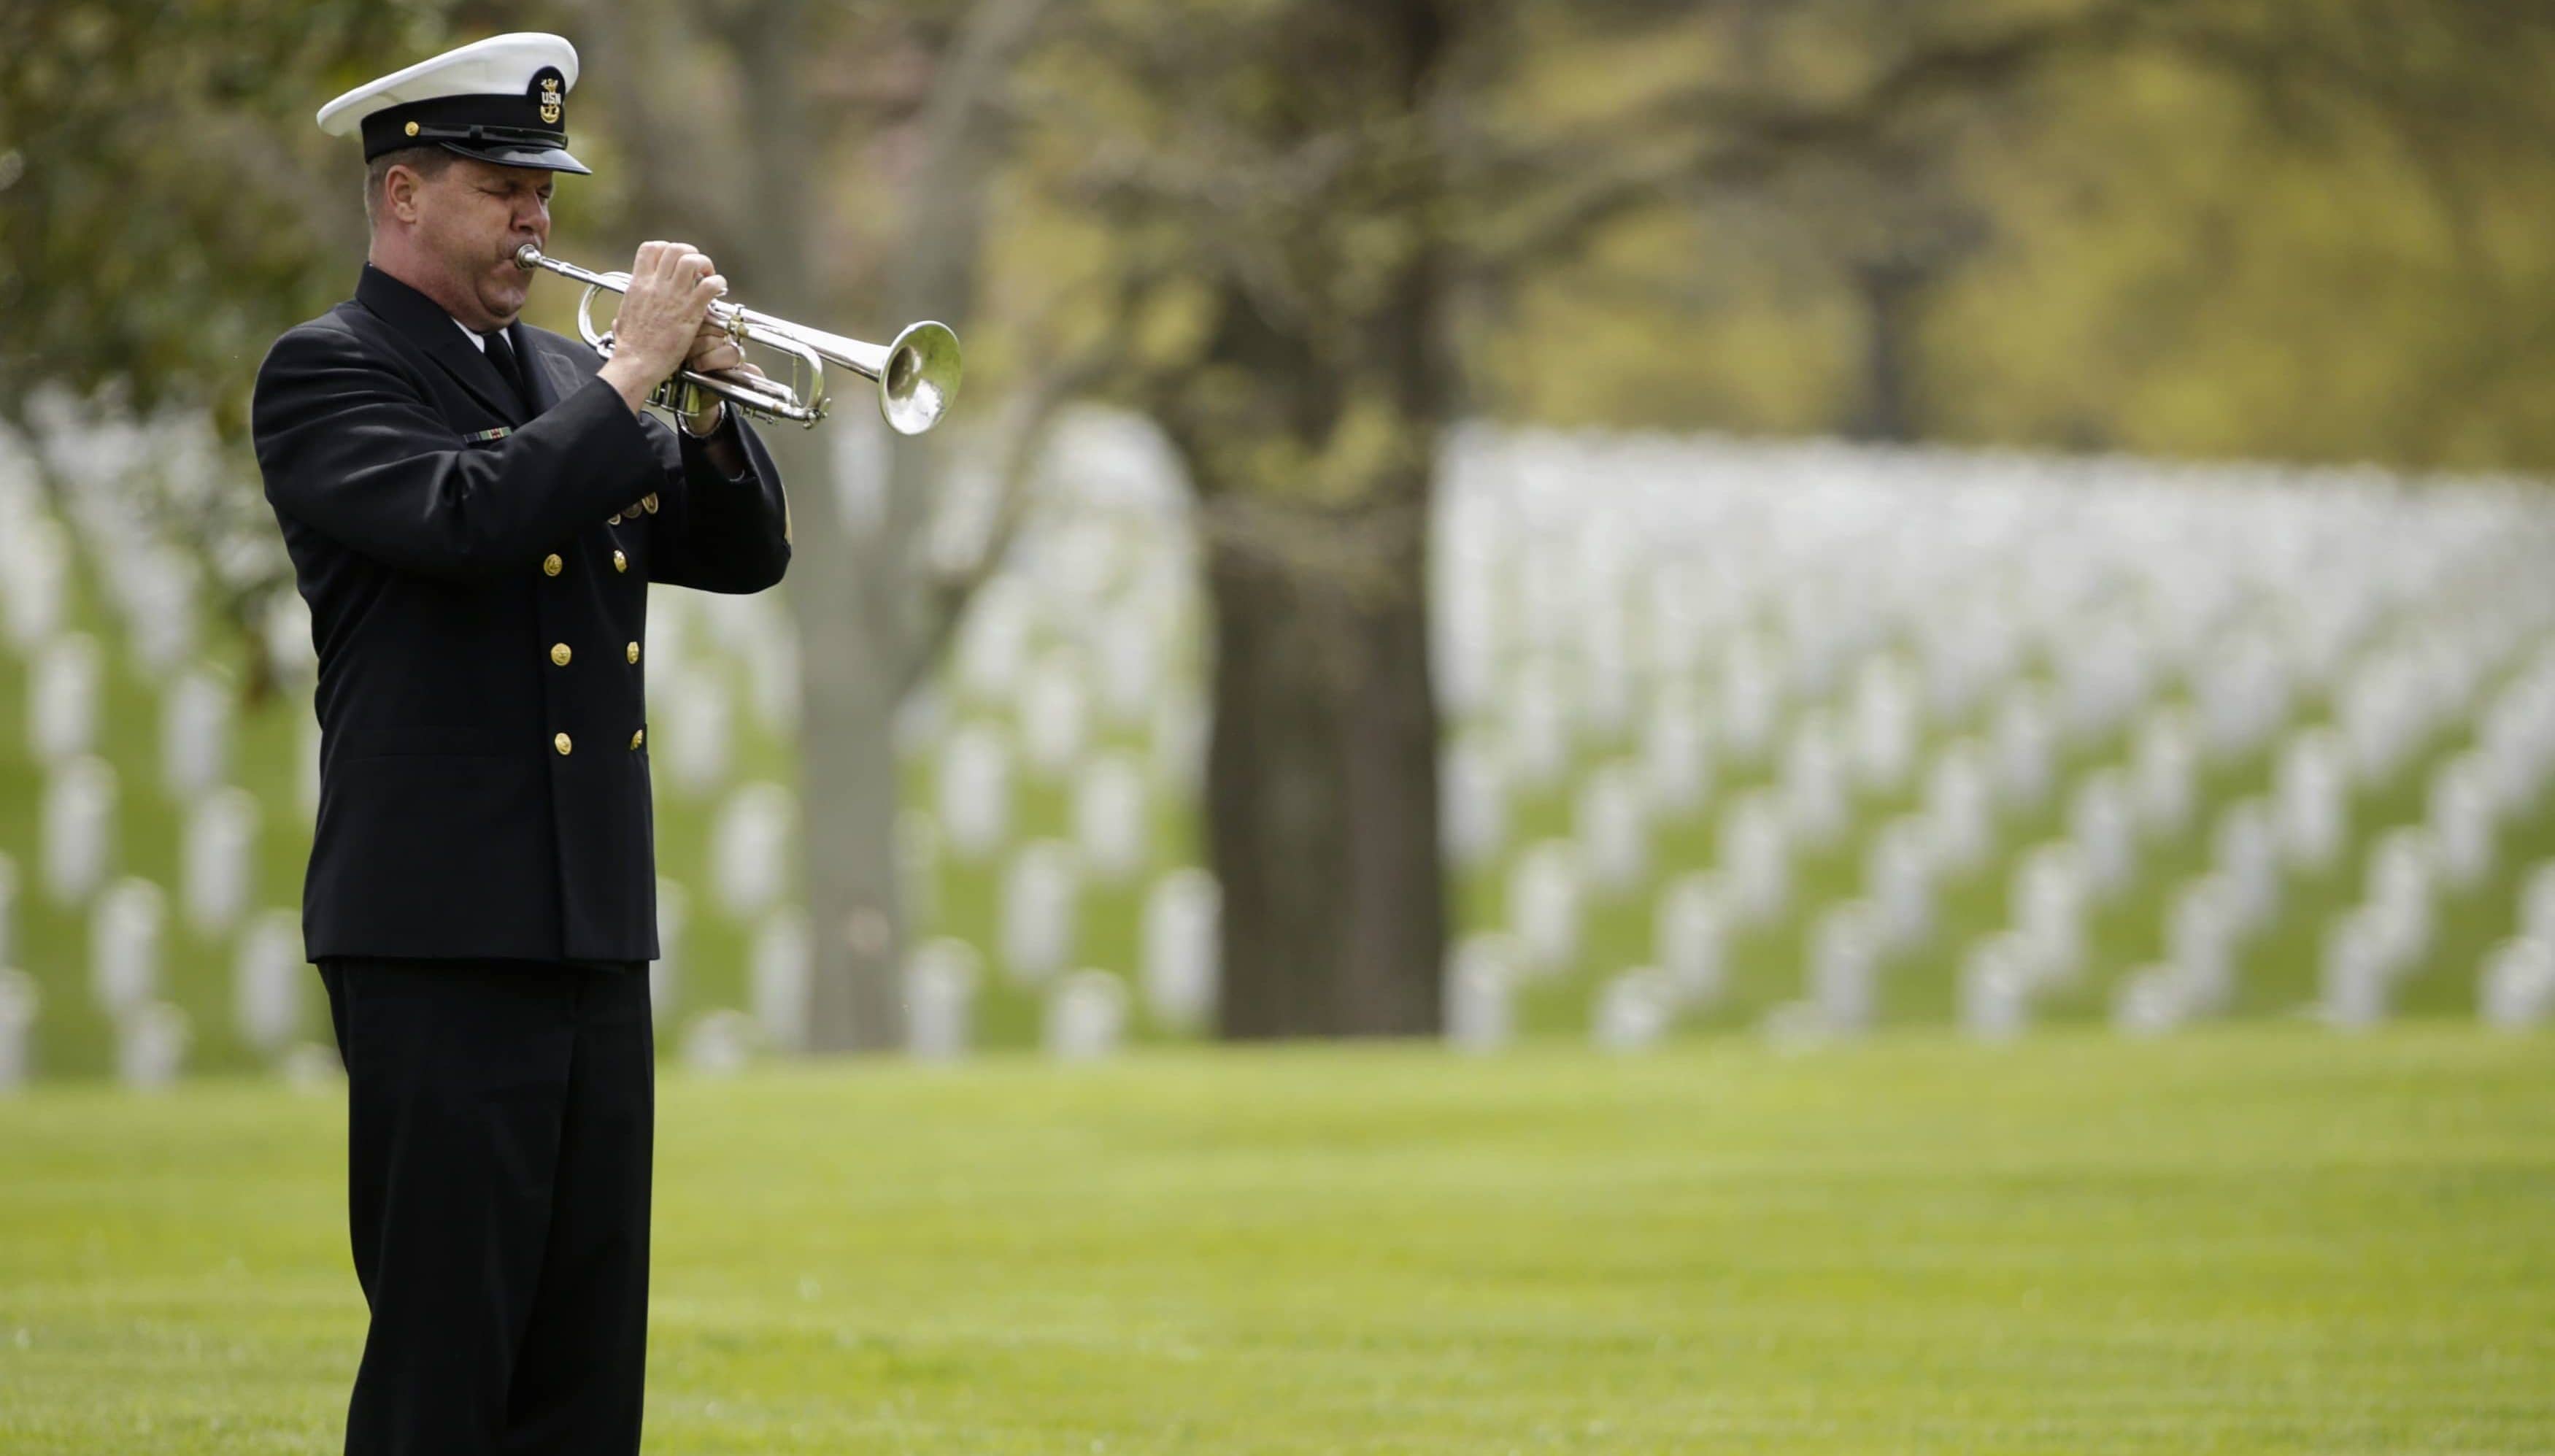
x=471 y=218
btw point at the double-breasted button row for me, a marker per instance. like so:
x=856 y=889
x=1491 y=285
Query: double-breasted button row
x=563 y=743
x=551 y=564
x=561 y=654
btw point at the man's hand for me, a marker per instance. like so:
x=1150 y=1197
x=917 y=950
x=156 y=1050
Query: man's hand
x=713 y=352
x=671 y=287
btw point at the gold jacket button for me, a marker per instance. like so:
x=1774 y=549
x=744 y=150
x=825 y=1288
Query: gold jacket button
x=612 y=520
x=560 y=653
x=634 y=652
x=647 y=503
x=552 y=563
x=638 y=738
x=561 y=744
x=620 y=562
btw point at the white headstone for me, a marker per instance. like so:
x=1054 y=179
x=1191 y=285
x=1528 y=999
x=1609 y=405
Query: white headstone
x=2311 y=793
x=2152 y=1000
x=940 y=981
x=8 y=910
x=267 y=978
x=1054 y=714
x=1544 y=891
x=1086 y=1017
x=2048 y=904
x=308 y=741
x=751 y=847
x=1130 y=652
x=1676 y=755
x=2162 y=767
x=779 y=969
x=2024 y=745
x=1535 y=708
x=20 y=1000
x=666 y=972
x=32 y=579
x=125 y=927
x=1752 y=698
x=1959 y=809
x=220 y=859
x=1040 y=890
x=1109 y=817
x=1845 y=966
x=1996 y=980
x=79 y=827
x=719 y=1044
x=62 y=698
x=1180 y=950
x=918 y=866
x=1633 y=1011
x=2101 y=825
x=1481 y=978
x=194 y=735
x=697 y=741
x=1613 y=831
x=2537 y=902
x=976 y=790
x=1690 y=936
x=1180 y=744
x=2402 y=879
x=1885 y=724
x=2204 y=922
x=2517 y=992
x=1755 y=859
x=1898 y=880
x=1813 y=788
x=2356 y=973
x=1474 y=806
x=2247 y=853
x=993 y=646
x=2462 y=822
x=151 y=1040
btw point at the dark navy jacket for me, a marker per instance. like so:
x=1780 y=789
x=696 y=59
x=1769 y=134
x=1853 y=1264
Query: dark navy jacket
x=478 y=590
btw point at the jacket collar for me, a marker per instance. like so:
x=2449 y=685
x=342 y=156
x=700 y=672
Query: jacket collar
x=428 y=326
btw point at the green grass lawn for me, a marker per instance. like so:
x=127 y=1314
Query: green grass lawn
x=2264 y=1239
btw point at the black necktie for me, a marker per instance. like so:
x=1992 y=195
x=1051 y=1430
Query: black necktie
x=502 y=354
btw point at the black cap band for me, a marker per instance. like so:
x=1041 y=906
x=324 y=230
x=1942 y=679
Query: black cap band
x=531 y=123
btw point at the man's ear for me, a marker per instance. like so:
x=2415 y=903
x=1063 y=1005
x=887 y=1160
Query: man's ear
x=399 y=192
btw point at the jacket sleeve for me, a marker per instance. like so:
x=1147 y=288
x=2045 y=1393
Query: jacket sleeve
x=352 y=449
x=723 y=533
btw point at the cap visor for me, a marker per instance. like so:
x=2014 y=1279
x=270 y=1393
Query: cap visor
x=554 y=159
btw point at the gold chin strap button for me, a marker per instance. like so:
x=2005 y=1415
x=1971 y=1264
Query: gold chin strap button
x=639 y=738
x=634 y=652
x=551 y=564
x=620 y=562
x=560 y=653
x=560 y=743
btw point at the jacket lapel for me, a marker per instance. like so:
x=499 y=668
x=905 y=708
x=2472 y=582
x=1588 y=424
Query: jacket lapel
x=433 y=330
x=551 y=374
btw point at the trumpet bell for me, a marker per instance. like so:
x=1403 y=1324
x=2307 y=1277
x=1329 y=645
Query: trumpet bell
x=921 y=379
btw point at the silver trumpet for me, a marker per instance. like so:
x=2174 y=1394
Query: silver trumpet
x=918 y=375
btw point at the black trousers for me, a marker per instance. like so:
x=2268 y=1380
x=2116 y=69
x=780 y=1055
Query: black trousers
x=501 y=1122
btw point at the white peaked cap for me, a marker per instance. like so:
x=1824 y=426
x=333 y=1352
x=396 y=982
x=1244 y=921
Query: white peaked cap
x=498 y=65
x=501 y=99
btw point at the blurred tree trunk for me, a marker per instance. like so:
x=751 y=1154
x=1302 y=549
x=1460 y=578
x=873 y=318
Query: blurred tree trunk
x=870 y=620
x=1322 y=768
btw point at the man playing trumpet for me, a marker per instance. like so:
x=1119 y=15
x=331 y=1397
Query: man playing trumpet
x=474 y=510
